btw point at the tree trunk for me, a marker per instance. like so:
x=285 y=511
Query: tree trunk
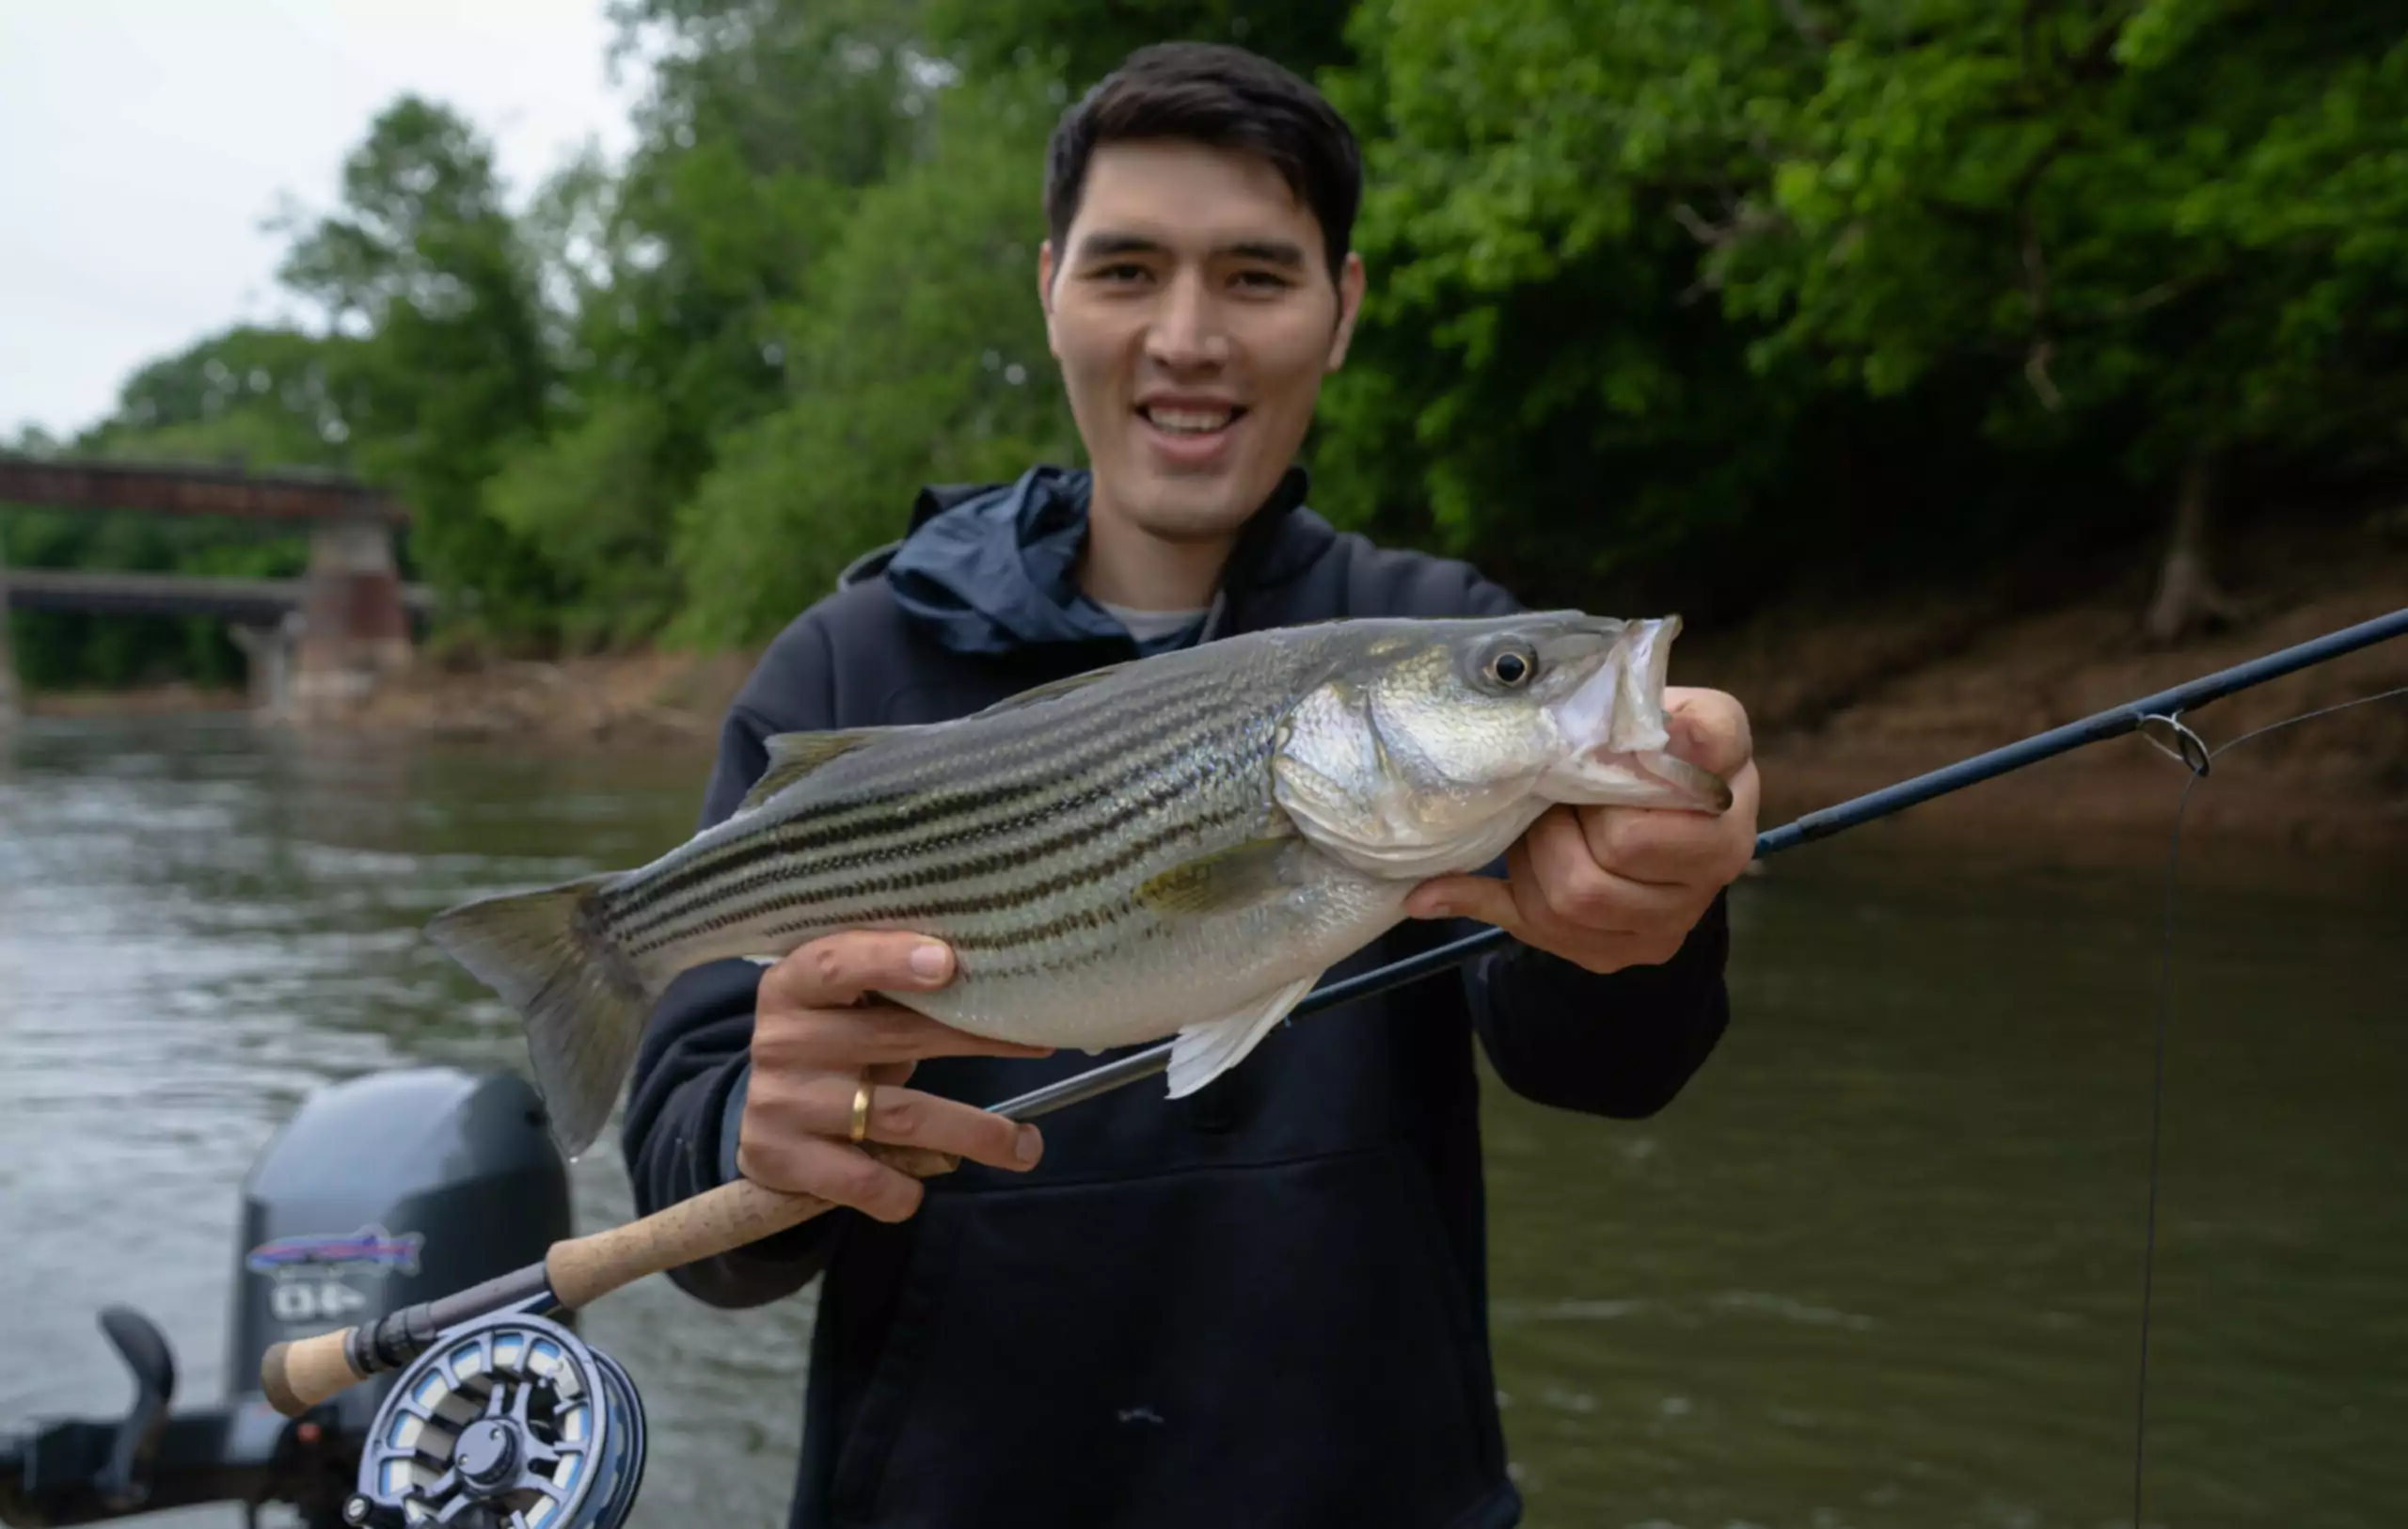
x=2189 y=601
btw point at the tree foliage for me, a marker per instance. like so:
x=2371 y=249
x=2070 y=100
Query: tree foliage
x=1715 y=290
x=424 y=262
x=921 y=358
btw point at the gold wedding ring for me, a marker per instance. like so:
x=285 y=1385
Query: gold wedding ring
x=861 y=1109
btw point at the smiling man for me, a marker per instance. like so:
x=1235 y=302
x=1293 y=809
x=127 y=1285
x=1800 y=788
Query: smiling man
x=1263 y=1304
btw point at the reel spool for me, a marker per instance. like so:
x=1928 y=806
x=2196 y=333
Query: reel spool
x=507 y=1422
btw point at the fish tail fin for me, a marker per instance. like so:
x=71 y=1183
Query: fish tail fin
x=550 y=956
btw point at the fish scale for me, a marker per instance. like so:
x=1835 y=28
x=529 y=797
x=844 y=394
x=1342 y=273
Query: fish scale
x=901 y=846
x=852 y=828
x=1180 y=844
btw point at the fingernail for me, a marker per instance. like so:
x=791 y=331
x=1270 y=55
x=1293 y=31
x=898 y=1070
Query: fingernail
x=929 y=960
x=1029 y=1145
x=1434 y=908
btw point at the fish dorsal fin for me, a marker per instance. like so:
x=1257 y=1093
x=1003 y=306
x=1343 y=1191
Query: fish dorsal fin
x=1224 y=879
x=793 y=756
x=1054 y=689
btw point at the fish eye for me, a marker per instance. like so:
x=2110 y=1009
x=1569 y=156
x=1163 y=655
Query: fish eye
x=1511 y=665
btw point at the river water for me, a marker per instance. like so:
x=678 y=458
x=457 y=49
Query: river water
x=1880 y=1266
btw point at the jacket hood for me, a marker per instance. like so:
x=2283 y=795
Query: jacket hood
x=993 y=568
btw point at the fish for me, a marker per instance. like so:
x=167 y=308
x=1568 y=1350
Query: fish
x=1178 y=845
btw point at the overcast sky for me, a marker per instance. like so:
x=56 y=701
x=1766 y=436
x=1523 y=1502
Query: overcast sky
x=143 y=142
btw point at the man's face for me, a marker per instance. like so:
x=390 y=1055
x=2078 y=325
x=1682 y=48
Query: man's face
x=1193 y=314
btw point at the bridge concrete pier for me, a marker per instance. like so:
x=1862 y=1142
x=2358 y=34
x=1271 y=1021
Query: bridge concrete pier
x=318 y=644
x=353 y=627
x=268 y=649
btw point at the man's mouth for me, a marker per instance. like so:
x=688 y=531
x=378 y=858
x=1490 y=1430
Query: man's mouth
x=1190 y=422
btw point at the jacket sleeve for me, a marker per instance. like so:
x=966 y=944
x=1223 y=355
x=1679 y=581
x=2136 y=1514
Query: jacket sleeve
x=1623 y=1043
x=688 y=1094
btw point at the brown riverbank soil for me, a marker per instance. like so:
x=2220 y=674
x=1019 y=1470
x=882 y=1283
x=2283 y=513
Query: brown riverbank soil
x=1845 y=702
x=1844 y=698
x=146 y=701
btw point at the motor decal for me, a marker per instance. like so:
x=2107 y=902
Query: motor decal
x=370 y=1245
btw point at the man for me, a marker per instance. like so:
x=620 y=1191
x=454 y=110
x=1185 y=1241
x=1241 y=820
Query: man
x=1264 y=1304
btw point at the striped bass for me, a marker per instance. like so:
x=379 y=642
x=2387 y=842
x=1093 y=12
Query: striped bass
x=1175 y=845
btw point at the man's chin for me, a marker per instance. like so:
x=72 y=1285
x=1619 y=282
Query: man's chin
x=1191 y=509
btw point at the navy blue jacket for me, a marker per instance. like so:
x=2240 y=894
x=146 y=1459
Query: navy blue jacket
x=1263 y=1305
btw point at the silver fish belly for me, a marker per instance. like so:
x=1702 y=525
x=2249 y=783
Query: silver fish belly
x=1113 y=859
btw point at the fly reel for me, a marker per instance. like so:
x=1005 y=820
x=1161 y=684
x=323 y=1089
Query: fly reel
x=506 y=1422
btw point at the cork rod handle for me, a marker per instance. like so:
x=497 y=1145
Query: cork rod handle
x=299 y=1375
x=584 y=1269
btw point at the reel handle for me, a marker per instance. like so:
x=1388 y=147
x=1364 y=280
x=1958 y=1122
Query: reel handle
x=304 y=1372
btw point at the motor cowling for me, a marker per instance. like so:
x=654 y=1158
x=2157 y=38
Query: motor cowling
x=379 y=1192
x=386 y=1189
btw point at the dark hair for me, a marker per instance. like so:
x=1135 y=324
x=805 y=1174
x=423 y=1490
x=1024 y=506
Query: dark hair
x=1211 y=93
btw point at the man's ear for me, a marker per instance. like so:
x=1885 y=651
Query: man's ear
x=1045 y=292
x=1350 y=281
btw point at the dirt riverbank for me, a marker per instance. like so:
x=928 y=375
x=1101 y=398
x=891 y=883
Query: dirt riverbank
x=1844 y=697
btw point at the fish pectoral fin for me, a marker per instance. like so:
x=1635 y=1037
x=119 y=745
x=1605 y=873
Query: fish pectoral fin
x=1226 y=879
x=793 y=756
x=1203 y=1052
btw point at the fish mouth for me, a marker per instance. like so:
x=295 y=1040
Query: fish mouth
x=1614 y=720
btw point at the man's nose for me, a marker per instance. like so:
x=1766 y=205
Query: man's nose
x=1187 y=331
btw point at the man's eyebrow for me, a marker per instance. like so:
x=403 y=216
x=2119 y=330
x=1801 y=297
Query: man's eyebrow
x=1269 y=251
x=1107 y=242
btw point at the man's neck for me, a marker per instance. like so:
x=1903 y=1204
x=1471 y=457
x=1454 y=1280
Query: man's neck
x=1127 y=567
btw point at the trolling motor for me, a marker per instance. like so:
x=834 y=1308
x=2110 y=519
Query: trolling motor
x=379 y=1192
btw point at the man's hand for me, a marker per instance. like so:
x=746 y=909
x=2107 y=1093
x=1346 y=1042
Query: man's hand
x=1609 y=887
x=813 y=1041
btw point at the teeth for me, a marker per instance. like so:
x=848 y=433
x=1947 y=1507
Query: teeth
x=1188 y=421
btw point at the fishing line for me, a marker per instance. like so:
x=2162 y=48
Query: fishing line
x=2194 y=755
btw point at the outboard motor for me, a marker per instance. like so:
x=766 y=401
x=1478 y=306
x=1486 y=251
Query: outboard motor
x=380 y=1192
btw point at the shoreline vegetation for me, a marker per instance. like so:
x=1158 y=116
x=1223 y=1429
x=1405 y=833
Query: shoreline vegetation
x=1845 y=697
x=1714 y=304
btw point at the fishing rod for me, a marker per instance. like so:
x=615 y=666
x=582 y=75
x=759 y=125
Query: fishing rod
x=477 y=1359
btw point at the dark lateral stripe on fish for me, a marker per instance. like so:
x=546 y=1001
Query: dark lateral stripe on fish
x=766 y=873
x=647 y=921
x=1011 y=900
x=871 y=819
x=782 y=894
x=1041 y=770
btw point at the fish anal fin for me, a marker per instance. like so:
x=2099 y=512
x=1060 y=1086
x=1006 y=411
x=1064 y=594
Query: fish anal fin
x=1204 y=1051
x=1224 y=879
x=793 y=756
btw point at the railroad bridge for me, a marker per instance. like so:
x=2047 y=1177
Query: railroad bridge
x=328 y=635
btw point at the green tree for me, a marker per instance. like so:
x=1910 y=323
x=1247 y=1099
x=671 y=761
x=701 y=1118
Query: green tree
x=2187 y=218
x=1694 y=262
x=1539 y=378
x=1081 y=40
x=921 y=357
x=424 y=265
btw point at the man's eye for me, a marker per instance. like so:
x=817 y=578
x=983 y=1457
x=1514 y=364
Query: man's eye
x=1263 y=281
x=1125 y=271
